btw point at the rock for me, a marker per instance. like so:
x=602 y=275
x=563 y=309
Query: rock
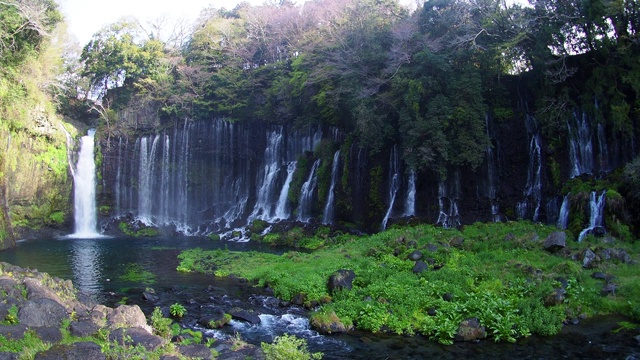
x=432 y=312
x=556 y=297
x=136 y=336
x=599 y=275
x=75 y=351
x=215 y=320
x=608 y=289
x=415 y=255
x=420 y=266
x=299 y=299
x=195 y=351
x=13 y=332
x=9 y=356
x=150 y=296
x=614 y=254
x=245 y=315
x=49 y=334
x=470 y=330
x=9 y=287
x=329 y=324
x=341 y=280
x=127 y=316
x=447 y=297
x=83 y=328
x=432 y=248
x=555 y=241
x=589 y=259
x=42 y=312
x=457 y=242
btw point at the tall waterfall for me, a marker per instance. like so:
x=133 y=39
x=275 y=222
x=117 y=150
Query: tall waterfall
x=328 y=217
x=282 y=211
x=449 y=216
x=596 y=216
x=267 y=185
x=490 y=187
x=306 y=194
x=529 y=208
x=84 y=193
x=563 y=217
x=410 y=201
x=394 y=184
x=580 y=146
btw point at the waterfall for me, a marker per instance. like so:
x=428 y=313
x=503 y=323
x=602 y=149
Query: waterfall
x=394 y=184
x=490 y=188
x=306 y=194
x=328 y=217
x=282 y=213
x=449 y=216
x=267 y=177
x=596 y=216
x=563 y=218
x=533 y=190
x=410 y=201
x=84 y=181
x=580 y=146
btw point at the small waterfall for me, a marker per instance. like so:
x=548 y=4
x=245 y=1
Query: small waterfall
x=596 y=216
x=530 y=206
x=267 y=184
x=490 y=188
x=306 y=194
x=84 y=192
x=410 y=201
x=449 y=216
x=580 y=146
x=563 y=218
x=394 y=184
x=328 y=217
x=282 y=213
x=604 y=162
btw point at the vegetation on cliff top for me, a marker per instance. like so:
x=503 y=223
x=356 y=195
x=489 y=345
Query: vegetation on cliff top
x=498 y=273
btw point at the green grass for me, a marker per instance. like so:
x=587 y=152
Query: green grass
x=499 y=274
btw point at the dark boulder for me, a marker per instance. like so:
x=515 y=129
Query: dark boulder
x=589 y=259
x=83 y=328
x=135 y=337
x=42 y=312
x=608 y=289
x=249 y=316
x=555 y=241
x=195 y=351
x=415 y=255
x=420 y=266
x=470 y=330
x=150 y=296
x=329 y=324
x=341 y=280
x=216 y=319
x=556 y=297
x=76 y=351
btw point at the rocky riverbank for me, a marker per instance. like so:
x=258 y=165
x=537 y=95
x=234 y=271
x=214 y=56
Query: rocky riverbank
x=43 y=317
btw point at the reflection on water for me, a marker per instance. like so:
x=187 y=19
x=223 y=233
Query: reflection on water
x=86 y=263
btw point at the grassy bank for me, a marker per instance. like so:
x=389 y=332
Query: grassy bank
x=498 y=273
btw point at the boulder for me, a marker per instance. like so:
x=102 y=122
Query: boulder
x=589 y=259
x=470 y=330
x=83 y=328
x=216 y=319
x=415 y=255
x=136 y=336
x=42 y=312
x=329 y=324
x=555 y=241
x=608 y=289
x=196 y=351
x=150 y=296
x=341 y=280
x=556 y=297
x=249 y=316
x=75 y=351
x=420 y=266
x=127 y=316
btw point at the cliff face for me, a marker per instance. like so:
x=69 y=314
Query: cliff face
x=35 y=179
x=212 y=175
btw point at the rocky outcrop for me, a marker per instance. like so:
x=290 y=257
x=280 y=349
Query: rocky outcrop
x=341 y=280
x=36 y=302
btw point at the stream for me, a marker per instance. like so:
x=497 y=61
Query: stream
x=104 y=268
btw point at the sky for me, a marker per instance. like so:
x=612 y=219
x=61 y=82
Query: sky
x=86 y=17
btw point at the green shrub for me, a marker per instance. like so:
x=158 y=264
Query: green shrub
x=288 y=347
x=177 y=310
x=161 y=325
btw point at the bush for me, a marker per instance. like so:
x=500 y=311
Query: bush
x=288 y=347
x=177 y=310
x=161 y=325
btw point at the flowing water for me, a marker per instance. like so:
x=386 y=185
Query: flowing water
x=84 y=186
x=100 y=267
x=328 y=216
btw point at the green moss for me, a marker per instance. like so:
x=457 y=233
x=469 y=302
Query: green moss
x=134 y=272
x=144 y=231
x=500 y=274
